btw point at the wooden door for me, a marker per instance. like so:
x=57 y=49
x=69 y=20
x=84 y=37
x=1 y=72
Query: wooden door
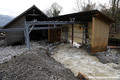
x=54 y=35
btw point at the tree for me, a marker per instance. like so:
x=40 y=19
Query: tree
x=113 y=11
x=54 y=10
x=83 y=5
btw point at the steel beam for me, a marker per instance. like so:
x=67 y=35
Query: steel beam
x=22 y=29
x=31 y=29
x=27 y=36
x=43 y=28
x=72 y=33
x=12 y=29
x=52 y=22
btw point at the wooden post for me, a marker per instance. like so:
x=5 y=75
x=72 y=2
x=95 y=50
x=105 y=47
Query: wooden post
x=66 y=34
x=93 y=35
x=25 y=36
x=83 y=36
x=72 y=32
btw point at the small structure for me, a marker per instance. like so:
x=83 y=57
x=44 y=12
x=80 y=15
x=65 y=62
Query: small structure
x=88 y=28
x=94 y=31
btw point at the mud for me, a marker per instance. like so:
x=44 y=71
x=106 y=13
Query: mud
x=79 y=60
x=109 y=56
x=34 y=65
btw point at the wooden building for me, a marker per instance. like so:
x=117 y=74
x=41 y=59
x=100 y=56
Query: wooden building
x=13 y=37
x=93 y=29
x=88 y=28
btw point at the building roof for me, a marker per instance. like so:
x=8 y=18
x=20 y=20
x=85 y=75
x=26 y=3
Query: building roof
x=80 y=16
x=83 y=16
x=24 y=13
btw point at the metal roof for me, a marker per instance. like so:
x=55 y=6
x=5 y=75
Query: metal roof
x=82 y=16
x=24 y=13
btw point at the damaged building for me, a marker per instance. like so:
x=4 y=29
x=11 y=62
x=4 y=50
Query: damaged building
x=89 y=28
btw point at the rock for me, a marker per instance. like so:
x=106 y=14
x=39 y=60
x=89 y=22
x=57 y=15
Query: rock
x=109 y=56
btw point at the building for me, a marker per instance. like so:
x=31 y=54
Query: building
x=87 y=28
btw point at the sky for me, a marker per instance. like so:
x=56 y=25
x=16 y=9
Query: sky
x=15 y=7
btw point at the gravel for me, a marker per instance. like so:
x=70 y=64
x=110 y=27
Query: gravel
x=109 y=56
x=34 y=65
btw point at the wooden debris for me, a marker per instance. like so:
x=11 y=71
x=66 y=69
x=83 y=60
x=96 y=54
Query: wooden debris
x=81 y=76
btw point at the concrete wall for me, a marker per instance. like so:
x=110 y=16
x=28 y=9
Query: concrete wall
x=15 y=36
x=100 y=34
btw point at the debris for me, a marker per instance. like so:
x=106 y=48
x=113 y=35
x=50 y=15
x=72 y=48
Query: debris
x=34 y=65
x=6 y=52
x=109 y=56
x=79 y=60
x=81 y=76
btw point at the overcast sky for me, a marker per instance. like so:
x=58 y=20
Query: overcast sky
x=15 y=7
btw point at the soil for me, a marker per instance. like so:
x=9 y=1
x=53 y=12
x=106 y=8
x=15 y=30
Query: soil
x=18 y=63
x=109 y=56
x=80 y=61
x=34 y=65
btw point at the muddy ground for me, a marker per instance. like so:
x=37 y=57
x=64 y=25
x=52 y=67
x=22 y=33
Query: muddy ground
x=17 y=63
x=79 y=60
x=34 y=65
x=109 y=56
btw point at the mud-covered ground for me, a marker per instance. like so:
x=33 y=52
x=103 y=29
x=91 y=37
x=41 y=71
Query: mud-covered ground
x=79 y=60
x=35 y=64
x=109 y=56
x=18 y=63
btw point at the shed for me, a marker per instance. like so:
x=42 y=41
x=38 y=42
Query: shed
x=17 y=36
x=89 y=28
x=93 y=30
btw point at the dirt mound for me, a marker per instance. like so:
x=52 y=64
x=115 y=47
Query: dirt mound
x=109 y=56
x=34 y=65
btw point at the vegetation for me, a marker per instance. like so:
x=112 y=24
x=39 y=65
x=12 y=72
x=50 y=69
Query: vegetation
x=54 y=10
x=83 y=5
x=113 y=11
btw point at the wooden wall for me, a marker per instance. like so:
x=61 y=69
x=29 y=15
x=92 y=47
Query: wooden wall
x=100 y=34
x=90 y=32
x=77 y=33
x=15 y=36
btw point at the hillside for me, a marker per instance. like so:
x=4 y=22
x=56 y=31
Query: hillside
x=4 y=19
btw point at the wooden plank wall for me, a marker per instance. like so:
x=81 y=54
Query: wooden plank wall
x=90 y=32
x=54 y=35
x=100 y=34
x=15 y=36
x=77 y=33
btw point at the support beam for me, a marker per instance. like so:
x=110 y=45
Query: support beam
x=35 y=28
x=43 y=28
x=53 y=22
x=83 y=35
x=27 y=36
x=31 y=29
x=72 y=33
x=66 y=34
x=12 y=29
x=85 y=27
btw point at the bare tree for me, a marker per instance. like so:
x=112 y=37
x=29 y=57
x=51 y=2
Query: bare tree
x=83 y=5
x=54 y=10
x=113 y=11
